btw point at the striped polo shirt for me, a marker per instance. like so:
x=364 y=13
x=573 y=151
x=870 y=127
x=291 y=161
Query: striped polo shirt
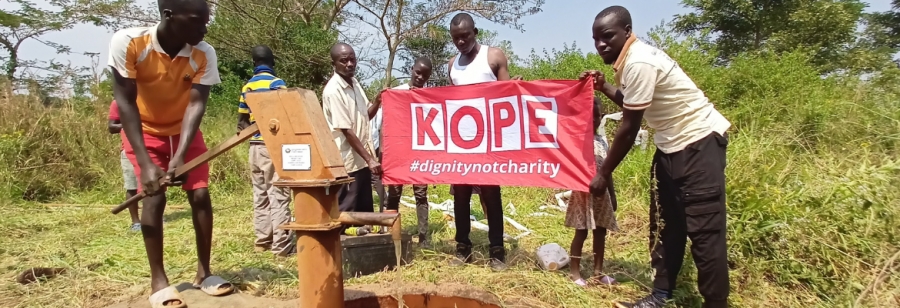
x=263 y=80
x=163 y=83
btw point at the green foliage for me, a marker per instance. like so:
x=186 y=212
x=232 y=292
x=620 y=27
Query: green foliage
x=825 y=29
x=433 y=43
x=398 y=21
x=300 y=44
x=804 y=164
x=28 y=21
x=887 y=25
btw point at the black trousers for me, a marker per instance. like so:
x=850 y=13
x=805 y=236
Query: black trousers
x=422 y=207
x=357 y=196
x=689 y=201
x=462 y=196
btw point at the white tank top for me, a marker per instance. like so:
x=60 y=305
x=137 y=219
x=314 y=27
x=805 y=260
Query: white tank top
x=476 y=72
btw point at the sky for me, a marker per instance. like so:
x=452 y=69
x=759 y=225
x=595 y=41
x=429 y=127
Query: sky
x=561 y=22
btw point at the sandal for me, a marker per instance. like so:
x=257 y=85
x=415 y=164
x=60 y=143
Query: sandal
x=580 y=282
x=167 y=298
x=606 y=280
x=215 y=286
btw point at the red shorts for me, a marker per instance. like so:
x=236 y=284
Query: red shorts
x=161 y=150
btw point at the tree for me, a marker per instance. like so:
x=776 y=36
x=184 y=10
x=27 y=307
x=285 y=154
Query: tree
x=299 y=33
x=824 y=28
x=30 y=22
x=434 y=43
x=431 y=43
x=887 y=26
x=875 y=45
x=398 y=20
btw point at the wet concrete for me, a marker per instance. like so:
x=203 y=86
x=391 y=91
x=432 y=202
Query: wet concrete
x=415 y=295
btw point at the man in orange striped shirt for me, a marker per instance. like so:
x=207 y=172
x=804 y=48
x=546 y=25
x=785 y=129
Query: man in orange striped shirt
x=163 y=75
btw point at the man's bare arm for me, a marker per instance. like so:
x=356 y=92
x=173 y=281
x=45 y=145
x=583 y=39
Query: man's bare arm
x=499 y=63
x=192 y=118
x=125 y=93
x=624 y=140
x=613 y=93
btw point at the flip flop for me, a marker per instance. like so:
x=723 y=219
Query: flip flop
x=215 y=286
x=161 y=298
x=606 y=280
x=580 y=282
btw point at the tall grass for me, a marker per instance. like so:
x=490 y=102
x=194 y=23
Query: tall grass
x=814 y=209
x=64 y=152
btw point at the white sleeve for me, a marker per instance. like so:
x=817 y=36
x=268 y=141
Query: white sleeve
x=208 y=73
x=638 y=84
x=122 y=57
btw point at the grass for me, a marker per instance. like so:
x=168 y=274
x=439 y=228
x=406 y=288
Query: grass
x=107 y=264
x=812 y=177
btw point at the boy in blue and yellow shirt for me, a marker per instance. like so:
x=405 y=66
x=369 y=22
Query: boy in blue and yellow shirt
x=271 y=204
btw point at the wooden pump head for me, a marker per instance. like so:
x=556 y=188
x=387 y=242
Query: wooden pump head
x=300 y=144
x=307 y=160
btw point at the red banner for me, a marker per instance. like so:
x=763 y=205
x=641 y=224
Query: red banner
x=509 y=133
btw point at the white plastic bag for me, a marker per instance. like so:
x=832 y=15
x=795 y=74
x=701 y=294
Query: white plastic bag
x=602 y=129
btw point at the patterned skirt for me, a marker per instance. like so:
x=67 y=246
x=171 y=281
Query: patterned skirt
x=587 y=212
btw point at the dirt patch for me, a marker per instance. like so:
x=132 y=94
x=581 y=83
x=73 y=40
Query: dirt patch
x=419 y=295
x=197 y=299
x=415 y=295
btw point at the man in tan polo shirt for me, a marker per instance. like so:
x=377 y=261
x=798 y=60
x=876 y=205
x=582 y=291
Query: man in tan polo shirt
x=347 y=111
x=688 y=167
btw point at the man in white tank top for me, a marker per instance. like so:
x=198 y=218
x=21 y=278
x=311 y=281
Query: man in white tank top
x=476 y=64
x=689 y=165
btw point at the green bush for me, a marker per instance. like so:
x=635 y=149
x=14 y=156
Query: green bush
x=813 y=166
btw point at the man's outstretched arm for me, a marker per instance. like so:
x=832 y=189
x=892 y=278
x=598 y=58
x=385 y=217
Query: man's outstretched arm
x=641 y=81
x=375 y=105
x=600 y=84
x=623 y=140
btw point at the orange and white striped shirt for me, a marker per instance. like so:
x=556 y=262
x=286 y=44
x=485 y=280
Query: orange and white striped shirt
x=163 y=84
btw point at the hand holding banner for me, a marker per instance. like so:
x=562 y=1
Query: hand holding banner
x=511 y=133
